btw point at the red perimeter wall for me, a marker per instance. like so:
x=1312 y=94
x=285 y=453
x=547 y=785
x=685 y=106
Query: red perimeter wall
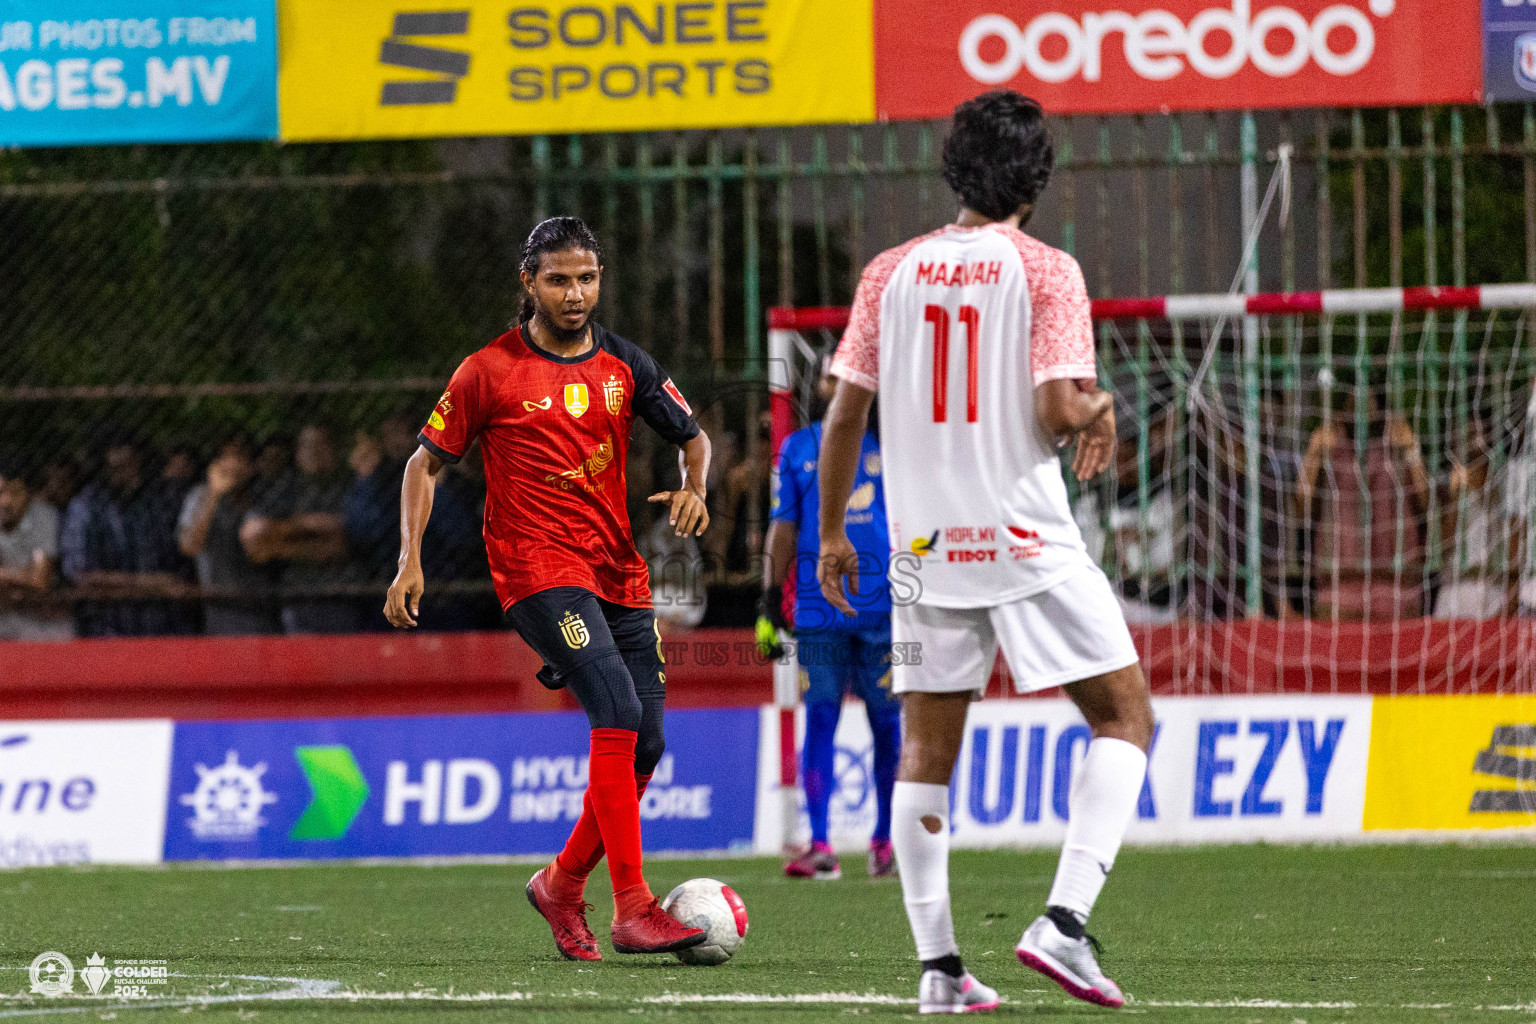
x=436 y=673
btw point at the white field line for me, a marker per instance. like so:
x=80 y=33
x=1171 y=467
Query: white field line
x=748 y=998
x=319 y=990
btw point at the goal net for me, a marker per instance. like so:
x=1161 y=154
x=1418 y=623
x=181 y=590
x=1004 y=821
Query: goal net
x=1330 y=492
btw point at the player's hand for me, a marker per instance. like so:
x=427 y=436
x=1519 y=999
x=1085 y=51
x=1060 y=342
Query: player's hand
x=404 y=601
x=839 y=558
x=1095 y=446
x=687 y=513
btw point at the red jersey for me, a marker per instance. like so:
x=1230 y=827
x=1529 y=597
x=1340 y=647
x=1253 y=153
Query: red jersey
x=555 y=436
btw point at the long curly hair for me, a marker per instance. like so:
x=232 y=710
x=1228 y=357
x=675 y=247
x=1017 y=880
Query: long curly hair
x=998 y=156
x=557 y=234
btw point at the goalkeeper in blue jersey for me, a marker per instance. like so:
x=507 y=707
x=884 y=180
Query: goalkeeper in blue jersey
x=836 y=653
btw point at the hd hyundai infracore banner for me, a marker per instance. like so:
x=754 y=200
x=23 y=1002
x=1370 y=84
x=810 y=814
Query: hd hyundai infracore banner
x=1103 y=56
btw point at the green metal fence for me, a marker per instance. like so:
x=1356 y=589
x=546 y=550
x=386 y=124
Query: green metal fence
x=183 y=292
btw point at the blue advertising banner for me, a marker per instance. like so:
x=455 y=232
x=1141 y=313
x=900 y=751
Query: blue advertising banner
x=1509 y=50
x=86 y=72
x=441 y=786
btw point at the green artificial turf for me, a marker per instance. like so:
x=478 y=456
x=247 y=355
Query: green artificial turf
x=1320 y=934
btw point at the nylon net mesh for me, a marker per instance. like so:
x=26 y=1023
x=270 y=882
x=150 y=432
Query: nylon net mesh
x=1321 y=504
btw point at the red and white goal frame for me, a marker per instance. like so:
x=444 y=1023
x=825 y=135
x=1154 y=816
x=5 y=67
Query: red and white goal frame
x=1465 y=654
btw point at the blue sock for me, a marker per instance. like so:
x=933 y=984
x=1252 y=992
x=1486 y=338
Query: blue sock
x=886 y=727
x=817 y=769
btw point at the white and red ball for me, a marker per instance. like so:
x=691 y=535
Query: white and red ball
x=715 y=907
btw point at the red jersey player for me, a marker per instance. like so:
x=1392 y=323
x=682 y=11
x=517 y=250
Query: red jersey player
x=552 y=402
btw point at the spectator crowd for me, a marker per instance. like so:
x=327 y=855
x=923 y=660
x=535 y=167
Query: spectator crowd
x=300 y=534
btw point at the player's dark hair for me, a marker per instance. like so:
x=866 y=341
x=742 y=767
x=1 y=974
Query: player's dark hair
x=998 y=156
x=557 y=234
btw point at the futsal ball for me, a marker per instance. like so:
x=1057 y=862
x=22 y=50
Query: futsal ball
x=715 y=907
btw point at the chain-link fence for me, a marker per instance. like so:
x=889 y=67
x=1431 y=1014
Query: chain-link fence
x=216 y=358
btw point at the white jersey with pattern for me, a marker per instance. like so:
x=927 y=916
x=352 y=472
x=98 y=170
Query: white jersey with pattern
x=955 y=329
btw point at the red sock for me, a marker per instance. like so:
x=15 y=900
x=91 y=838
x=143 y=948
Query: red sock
x=585 y=847
x=615 y=804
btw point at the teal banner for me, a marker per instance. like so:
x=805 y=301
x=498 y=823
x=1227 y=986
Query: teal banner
x=120 y=71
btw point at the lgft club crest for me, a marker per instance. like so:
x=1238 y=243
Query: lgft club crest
x=227 y=803
x=613 y=395
x=574 y=629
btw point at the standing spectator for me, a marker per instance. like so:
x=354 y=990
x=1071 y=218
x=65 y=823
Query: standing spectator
x=1520 y=489
x=179 y=472
x=1141 y=563
x=29 y=554
x=746 y=504
x=61 y=482
x=452 y=548
x=1218 y=523
x=397 y=438
x=371 y=511
x=119 y=548
x=272 y=467
x=300 y=524
x=1366 y=506
x=237 y=599
x=1478 y=579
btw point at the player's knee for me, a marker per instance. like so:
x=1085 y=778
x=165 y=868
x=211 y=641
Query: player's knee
x=1131 y=717
x=885 y=723
x=649 y=747
x=607 y=694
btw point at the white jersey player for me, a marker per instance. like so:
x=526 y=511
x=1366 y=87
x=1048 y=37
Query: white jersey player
x=978 y=340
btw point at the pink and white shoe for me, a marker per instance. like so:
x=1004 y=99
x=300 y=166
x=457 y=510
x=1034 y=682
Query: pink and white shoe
x=819 y=862
x=1068 y=962
x=882 y=859
x=938 y=992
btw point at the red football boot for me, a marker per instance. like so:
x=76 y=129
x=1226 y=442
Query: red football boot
x=653 y=930
x=567 y=919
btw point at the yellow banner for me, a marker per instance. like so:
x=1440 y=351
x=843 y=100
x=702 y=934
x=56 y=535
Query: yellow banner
x=1451 y=763
x=371 y=69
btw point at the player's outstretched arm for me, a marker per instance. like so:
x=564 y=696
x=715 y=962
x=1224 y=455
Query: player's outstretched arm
x=403 y=602
x=687 y=511
x=1077 y=408
x=842 y=439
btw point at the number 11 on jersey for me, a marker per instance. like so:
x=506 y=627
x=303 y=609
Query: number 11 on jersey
x=970 y=316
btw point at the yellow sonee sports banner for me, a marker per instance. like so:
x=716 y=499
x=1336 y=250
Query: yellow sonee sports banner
x=372 y=69
x=1451 y=763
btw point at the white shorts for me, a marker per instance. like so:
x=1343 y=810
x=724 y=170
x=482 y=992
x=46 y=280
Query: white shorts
x=1071 y=632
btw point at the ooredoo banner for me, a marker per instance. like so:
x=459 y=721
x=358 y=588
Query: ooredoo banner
x=82 y=792
x=116 y=71
x=1093 y=56
x=380 y=69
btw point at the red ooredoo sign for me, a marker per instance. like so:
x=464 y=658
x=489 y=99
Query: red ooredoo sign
x=1100 y=56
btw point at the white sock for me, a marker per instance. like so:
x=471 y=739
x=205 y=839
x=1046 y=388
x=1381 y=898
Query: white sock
x=920 y=838
x=1100 y=808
